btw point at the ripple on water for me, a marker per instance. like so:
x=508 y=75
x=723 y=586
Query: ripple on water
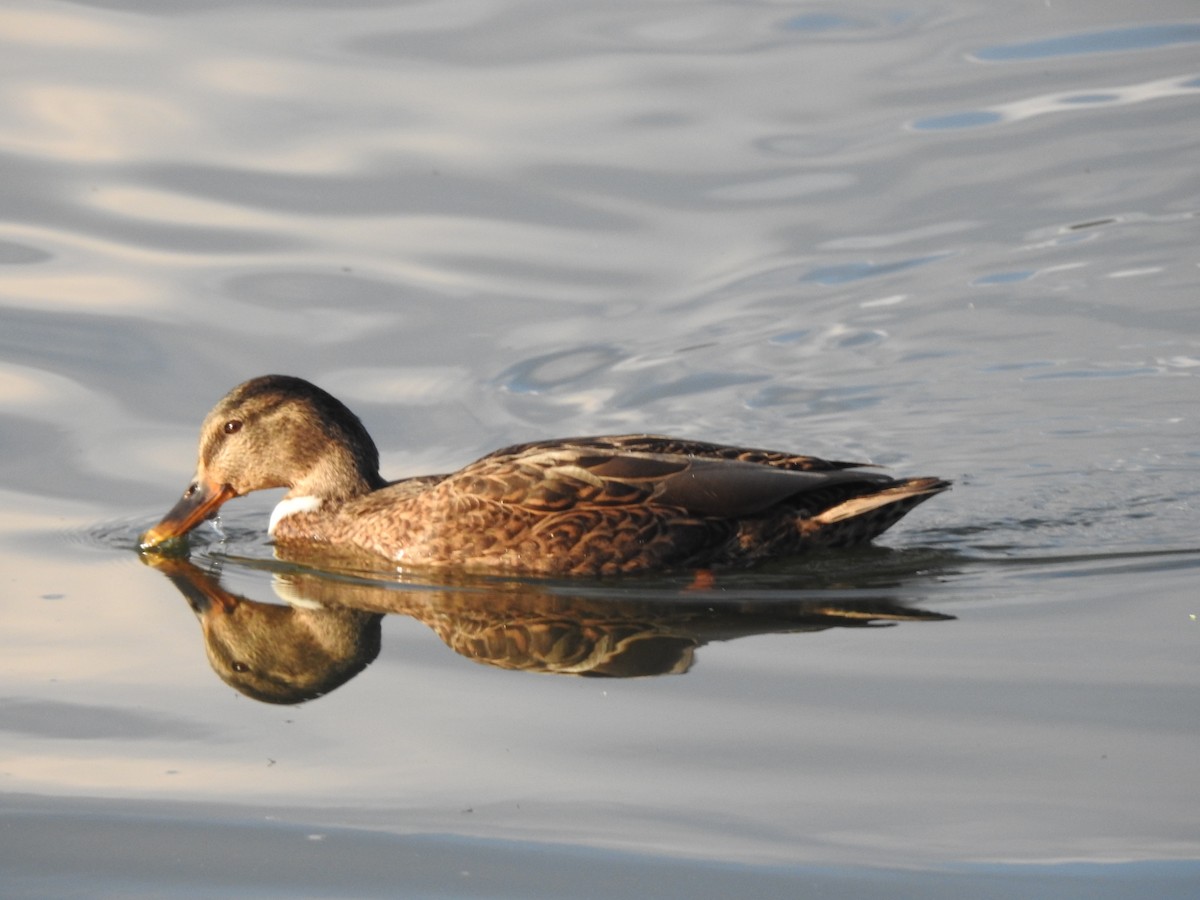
x=14 y=254
x=551 y=371
x=858 y=271
x=240 y=530
x=1113 y=40
x=1059 y=102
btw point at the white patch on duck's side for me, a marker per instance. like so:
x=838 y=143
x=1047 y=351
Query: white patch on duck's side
x=289 y=506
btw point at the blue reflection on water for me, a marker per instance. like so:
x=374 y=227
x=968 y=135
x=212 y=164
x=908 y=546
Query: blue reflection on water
x=1094 y=373
x=1005 y=277
x=972 y=119
x=859 y=270
x=1091 y=98
x=821 y=22
x=1142 y=37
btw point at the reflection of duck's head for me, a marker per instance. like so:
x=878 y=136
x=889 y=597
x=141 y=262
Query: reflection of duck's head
x=271 y=652
x=282 y=654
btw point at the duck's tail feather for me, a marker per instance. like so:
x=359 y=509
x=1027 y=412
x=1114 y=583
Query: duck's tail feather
x=861 y=519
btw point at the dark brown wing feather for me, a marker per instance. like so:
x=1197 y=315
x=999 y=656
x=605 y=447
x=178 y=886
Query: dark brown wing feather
x=731 y=489
x=697 y=478
x=662 y=446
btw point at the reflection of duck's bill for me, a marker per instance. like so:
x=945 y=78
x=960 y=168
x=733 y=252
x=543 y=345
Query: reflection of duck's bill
x=200 y=501
x=203 y=593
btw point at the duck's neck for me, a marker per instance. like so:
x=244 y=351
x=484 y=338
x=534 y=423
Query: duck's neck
x=336 y=476
x=330 y=482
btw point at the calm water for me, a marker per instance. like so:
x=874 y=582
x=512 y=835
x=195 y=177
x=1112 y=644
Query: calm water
x=956 y=240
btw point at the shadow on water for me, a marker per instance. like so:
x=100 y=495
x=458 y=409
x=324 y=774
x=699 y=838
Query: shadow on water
x=328 y=630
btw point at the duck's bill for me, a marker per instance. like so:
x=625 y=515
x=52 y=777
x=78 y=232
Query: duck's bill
x=199 y=502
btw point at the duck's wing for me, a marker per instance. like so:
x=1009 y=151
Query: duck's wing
x=703 y=480
x=661 y=445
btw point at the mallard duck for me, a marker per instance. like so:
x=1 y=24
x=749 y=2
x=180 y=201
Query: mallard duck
x=574 y=506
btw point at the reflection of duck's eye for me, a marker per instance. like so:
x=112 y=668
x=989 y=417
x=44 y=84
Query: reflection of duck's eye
x=240 y=667
x=233 y=426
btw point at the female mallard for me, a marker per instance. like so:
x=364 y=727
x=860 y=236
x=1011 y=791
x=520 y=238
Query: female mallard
x=579 y=506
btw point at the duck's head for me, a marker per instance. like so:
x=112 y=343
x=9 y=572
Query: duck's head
x=270 y=432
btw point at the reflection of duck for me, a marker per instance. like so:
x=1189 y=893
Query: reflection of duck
x=568 y=507
x=273 y=653
x=330 y=631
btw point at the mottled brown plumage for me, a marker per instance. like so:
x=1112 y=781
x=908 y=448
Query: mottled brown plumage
x=576 y=506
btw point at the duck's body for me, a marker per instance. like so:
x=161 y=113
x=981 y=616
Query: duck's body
x=602 y=505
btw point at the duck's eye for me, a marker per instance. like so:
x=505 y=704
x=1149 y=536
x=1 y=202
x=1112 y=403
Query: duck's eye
x=233 y=426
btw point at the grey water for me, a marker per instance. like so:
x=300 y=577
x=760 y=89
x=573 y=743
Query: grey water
x=950 y=239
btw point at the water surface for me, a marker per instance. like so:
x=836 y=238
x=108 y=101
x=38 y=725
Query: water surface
x=956 y=241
